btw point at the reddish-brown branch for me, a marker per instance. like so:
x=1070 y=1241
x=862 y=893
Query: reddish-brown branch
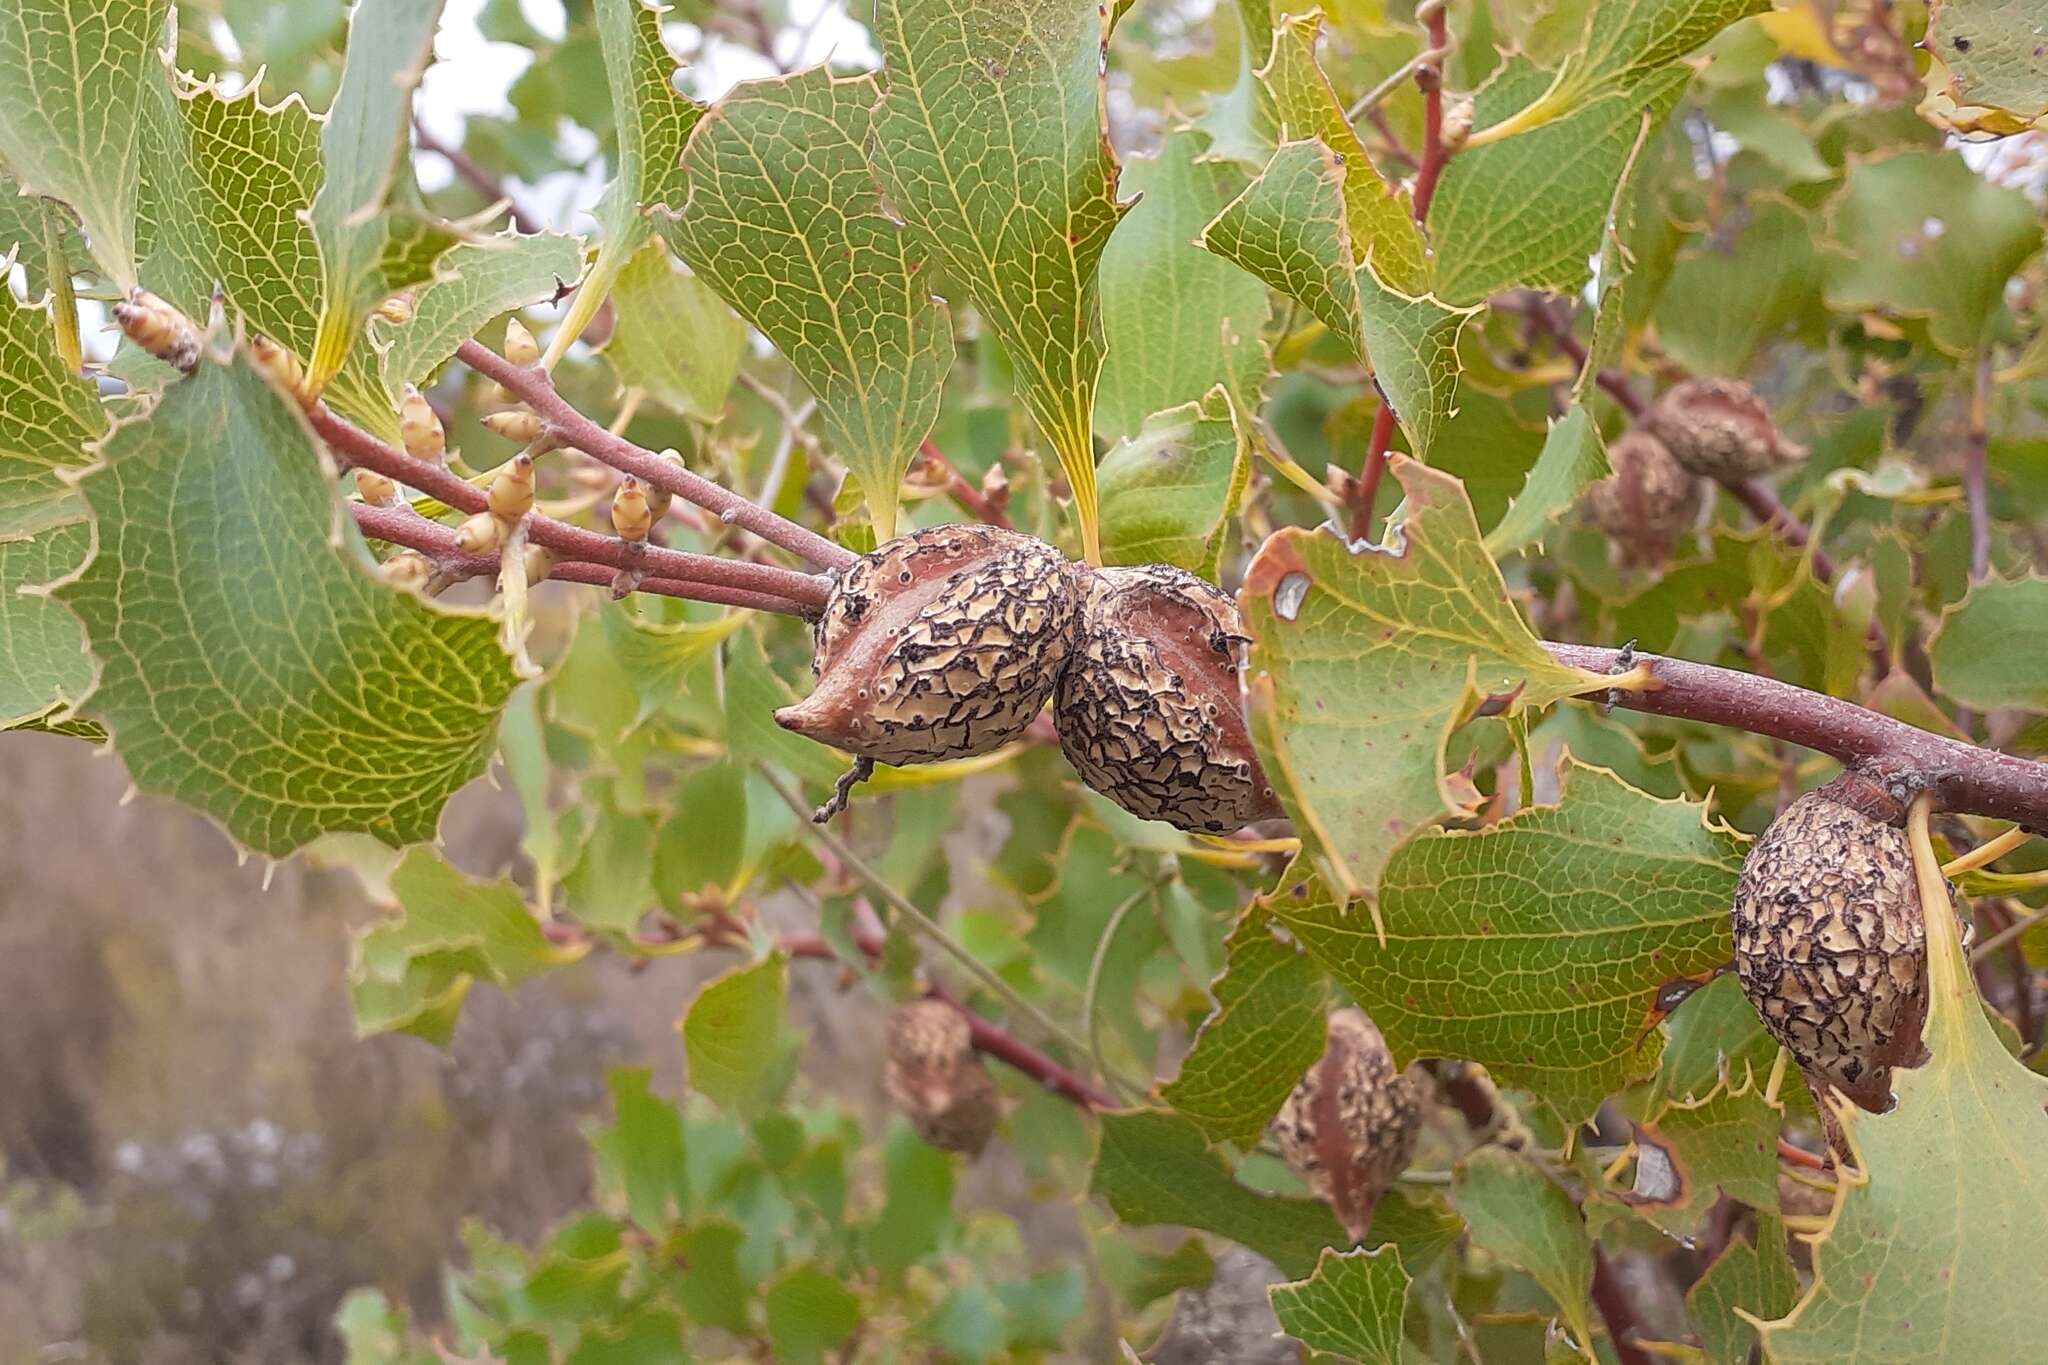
x=971 y=499
x=800 y=591
x=1366 y=491
x=1610 y=1296
x=568 y=427
x=1975 y=446
x=1962 y=777
x=1799 y=1156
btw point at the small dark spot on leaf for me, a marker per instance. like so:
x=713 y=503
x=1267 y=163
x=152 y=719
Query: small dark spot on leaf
x=1962 y=43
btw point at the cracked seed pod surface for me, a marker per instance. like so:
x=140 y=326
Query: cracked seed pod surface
x=1831 y=946
x=944 y=643
x=1648 y=501
x=1720 y=428
x=1350 y=1125
x=1149 y=709
x=937 y=1079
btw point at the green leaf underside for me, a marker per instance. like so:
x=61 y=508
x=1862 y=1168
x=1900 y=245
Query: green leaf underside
x=1933 y=1252
x=988 y=141
x=1154 y=1167
x=1177 y=321
x=47 y=418
x=1168 y=493
x=1574 y=458
x=285 y=705
x=1264 y=1035
x=657 y=301
x=480 y=281
x=43 y=663
x=74 y=82
x=1536 y=945
x=1989 y=649
x=1518 y=1213
x=785 y=222
x=733 y=1035
x=409 y=973
x=1351 y=1306
x=1367 y=661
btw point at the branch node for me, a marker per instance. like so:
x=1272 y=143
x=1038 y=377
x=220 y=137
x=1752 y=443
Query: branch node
x=863 y=768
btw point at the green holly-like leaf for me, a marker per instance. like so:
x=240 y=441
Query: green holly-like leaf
x=1169 y=492
x=989 y=142
x=369 y=252
x=1693 y=1150
x=409 y=973
x=1756 y=1280
x=249 y=665
x=1996 y=58
x=1519 y=1214
x=1528 y=210
x=48 y=416
x=43 y=663
x=1921 y=234
x=657 y=300
x=1154 y=1167
x=809 y=1313
x=654 y=121
x=1573 y=459
x=644 y=1151
x=612 y=885
x=1177 y=320
x=1988 y=649
x=735 y=1036
x=1366 y=662
x=74 y=84
x=1351 y=1306
x=656 y=658
x=1726 y=298
x=1264 y=1035
x=479 y=281
x=1933 y=1251
x=785 y=222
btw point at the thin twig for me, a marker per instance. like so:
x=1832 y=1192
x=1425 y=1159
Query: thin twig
x=535 y=388
x=971 y=499
x=482 y=181
x=1974 y=449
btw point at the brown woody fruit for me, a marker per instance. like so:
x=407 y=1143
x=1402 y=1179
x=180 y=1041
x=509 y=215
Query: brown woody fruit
x=1648 y=501
x=159 y=329
x=936 y=1078
x=1149 y=708
x=944 y=643
x=1350 y=1125
x=1830 y=942
x=1720 y=428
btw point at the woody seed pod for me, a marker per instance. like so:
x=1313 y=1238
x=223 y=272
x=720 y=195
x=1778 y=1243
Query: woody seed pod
x=944 y=643
x=520 y=347
x=1648 y=501
x=407 y=569
x=482 y=534
x=632 y=518
x=284 y=368
x=1350 y=1125
x=523 y=427
x=375 y=489
x=1830 y=942
x=159 y=329
x=511 y=495
x=420 y=429
x=937 y=1079
x=1149 y=709
x=1720 y=428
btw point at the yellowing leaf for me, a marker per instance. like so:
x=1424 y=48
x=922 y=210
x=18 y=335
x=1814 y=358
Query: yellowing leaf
x=989 y=142
x=1996 y=54
x=250 y=665
x=1369 y=658
x=1933 y=1251
x=784 y=221
x=74 y=85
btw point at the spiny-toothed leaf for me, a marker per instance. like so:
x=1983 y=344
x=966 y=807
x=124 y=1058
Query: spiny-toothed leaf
x=656 y=657
x=644 y=1152
x=1726 y=298
x=1518 y=1213
x=43 y=663
x=1988 y=649
x=369 y=251
x=656 y=301
x=1168 y=493
x=1352 y=1306
x=74 y=86
x=612 y=885
x=1413 y=346
x=479 y=280
x=1264 y=1034
x=1756 y=1279
x=1154 y=1167
x=1573 y=459
x=1722 y=1143
x=1921 y=234
x=1177 y=320
x=251 y=666
x=24 y=221
x=409 y=972
x=1536 y=945
x=1368 y=659
x=736 y=1036
x=989 y=142
x=784 y=220
x=48 y=416
x=1933 y=1250
x=1528 y=210
x=1996 y=59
